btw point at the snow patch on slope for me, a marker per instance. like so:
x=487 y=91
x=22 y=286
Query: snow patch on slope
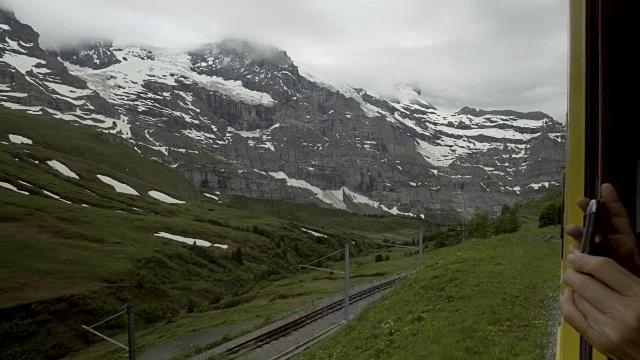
x=12 y=188
x=436 y=155
x=22 y=63
x=539 y=185
x=164 y=198
x=25 y=183
x=395 y=211
x=117 y=186
x=113 y=126
x=56 y=196
x=17 y=139
x=313 y=233
x=190 y=241
x=68 y=91
x=62 y=168
x=335 y=198
x=212 y=196
x=347 y=91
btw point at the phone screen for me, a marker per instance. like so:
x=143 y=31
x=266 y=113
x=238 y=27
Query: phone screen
x=589 y=234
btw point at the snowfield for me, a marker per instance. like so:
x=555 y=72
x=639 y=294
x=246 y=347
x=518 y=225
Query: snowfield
x=118 y=186
x=22 y=63
x=119 y=82
x=190 y=241
x=62 y=168
x=37 y=76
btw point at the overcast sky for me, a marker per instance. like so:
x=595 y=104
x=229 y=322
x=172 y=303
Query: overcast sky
x=490 y=54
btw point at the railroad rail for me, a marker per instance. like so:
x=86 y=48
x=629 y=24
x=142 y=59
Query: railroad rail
x=307 y=319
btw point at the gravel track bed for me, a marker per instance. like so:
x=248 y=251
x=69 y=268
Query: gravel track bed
x=283 y=344
x=316 y=327
x=555 y=318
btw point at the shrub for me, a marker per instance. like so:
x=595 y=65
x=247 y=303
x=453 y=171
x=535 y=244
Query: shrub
x=379 y=258
x=479 y=225
x=506 y=224
x=237 y=256
x=550 y=216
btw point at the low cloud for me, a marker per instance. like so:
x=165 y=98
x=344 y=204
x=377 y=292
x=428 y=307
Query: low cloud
x=485 y=54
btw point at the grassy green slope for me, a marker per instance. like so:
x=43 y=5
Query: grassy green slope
x=63 y=265
x=482 y=299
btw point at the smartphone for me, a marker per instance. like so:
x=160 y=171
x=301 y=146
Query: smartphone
x=588 y=245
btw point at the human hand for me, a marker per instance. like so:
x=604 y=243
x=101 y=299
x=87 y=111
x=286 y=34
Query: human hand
x=603 y=304
x=615 y=234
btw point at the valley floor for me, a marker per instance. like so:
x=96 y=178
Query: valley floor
x=195 y=333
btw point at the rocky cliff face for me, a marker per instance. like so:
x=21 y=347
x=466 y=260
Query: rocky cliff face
x=241 y=118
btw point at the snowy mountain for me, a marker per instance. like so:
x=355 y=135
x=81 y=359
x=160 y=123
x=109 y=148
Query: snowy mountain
x=241 y=118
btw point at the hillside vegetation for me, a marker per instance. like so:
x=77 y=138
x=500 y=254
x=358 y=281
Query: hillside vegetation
x=64 y=264
x=490 y=298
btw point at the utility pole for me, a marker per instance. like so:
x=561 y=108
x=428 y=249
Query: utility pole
x=346 y=281
x=420 y=244
x=464 y=222
x=464 y=219
x=131 y=332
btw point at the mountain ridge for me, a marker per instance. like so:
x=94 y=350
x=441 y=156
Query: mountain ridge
x=243 y=119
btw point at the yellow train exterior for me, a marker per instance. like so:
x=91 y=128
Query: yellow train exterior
x=568 y=343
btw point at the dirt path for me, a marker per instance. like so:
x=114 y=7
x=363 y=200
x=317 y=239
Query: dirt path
x=167 y=350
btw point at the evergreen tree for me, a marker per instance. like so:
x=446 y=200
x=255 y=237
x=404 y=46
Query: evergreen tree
x=387 y=257
x=379 y=258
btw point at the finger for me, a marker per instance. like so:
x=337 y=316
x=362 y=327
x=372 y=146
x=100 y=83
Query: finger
x=590 y=312
x=583 y=203
x=572 y=314
x=619 y=217
x=595 y=319
x=604 y=270
x=575 y=232
x=574 y=250
x=590 y=289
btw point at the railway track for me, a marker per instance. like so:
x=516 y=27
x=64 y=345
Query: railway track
x=307 y=319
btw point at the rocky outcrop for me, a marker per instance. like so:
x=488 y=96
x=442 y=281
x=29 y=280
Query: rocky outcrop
x=534 y=115
x=95 y=56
